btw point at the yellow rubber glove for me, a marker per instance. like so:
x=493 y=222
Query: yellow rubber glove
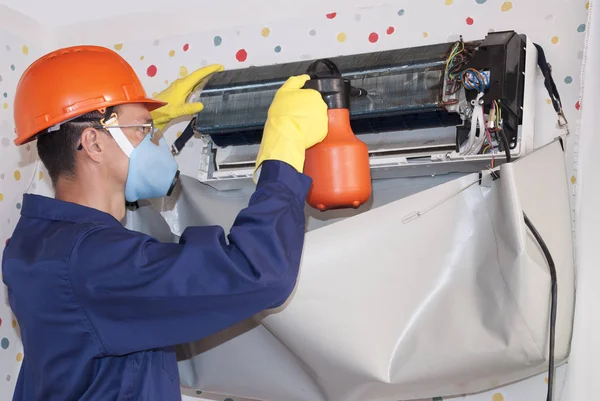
x=177 y=93
x=296 y=121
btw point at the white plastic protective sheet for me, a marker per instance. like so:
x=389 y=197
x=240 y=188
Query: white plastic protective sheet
x=443 y=292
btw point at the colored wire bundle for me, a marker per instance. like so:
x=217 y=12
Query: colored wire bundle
x=490 y=144
x=460 y=54
x=450 y=62
x=497 y=129
x=498 y=112
x=475 y=80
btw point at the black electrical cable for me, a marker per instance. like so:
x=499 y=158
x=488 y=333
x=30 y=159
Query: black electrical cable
x=548 y=79
x=553 y=296
x=185 y=136
x=557 y=104
x=505 y=145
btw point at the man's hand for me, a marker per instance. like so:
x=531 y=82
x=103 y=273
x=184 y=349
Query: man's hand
x=297 y=120
x=177 y=93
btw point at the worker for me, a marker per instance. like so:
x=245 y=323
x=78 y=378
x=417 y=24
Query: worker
x=100 y=307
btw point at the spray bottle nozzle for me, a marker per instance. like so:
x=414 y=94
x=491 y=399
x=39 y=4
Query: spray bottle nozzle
x=313 y=69
x=335 y=89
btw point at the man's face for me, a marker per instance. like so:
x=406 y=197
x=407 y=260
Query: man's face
x=132 y=118
x=104 y=150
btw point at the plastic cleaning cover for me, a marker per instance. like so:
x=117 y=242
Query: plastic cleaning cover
x=443 y=292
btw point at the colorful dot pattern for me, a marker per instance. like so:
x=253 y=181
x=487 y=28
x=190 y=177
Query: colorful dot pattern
x=497 y=397
x=17 y=170
x=159 y=62
x=507 y=6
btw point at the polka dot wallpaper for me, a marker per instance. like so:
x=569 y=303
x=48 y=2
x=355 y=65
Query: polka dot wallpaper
x=559 y=26
x=18 y=172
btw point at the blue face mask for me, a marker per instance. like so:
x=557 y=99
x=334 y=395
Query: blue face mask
x=153 y=171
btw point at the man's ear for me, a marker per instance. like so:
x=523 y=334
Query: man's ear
x=93 y=143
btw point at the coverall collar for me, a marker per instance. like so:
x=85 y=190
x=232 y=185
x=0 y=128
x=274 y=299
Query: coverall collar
x=43 y=207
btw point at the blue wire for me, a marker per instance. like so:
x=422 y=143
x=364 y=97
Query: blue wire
x=486 y=83
x=473 y=81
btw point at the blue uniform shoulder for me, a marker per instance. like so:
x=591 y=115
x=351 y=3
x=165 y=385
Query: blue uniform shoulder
x=37 y=240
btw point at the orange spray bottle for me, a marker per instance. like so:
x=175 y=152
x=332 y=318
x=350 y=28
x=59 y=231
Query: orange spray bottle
x=339 y=165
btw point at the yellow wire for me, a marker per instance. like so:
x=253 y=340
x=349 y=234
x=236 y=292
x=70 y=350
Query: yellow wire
x=461 y=49
x=454 y=53
x=451 y=55
x=498 y=112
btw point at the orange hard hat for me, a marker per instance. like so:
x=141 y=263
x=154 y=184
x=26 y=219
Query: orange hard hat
x=70 y=82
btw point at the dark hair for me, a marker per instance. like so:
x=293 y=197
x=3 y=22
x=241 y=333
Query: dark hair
x=57 y=149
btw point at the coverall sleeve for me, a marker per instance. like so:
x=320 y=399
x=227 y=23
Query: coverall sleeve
x=138 y=293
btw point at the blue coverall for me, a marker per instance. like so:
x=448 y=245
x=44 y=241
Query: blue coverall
x=100 y=307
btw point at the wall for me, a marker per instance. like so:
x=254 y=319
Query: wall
x=582 y=383
x=559 y=27
x=278 y=35
x=18 y=173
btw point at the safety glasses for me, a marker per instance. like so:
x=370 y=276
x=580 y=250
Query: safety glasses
x=146 y=129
